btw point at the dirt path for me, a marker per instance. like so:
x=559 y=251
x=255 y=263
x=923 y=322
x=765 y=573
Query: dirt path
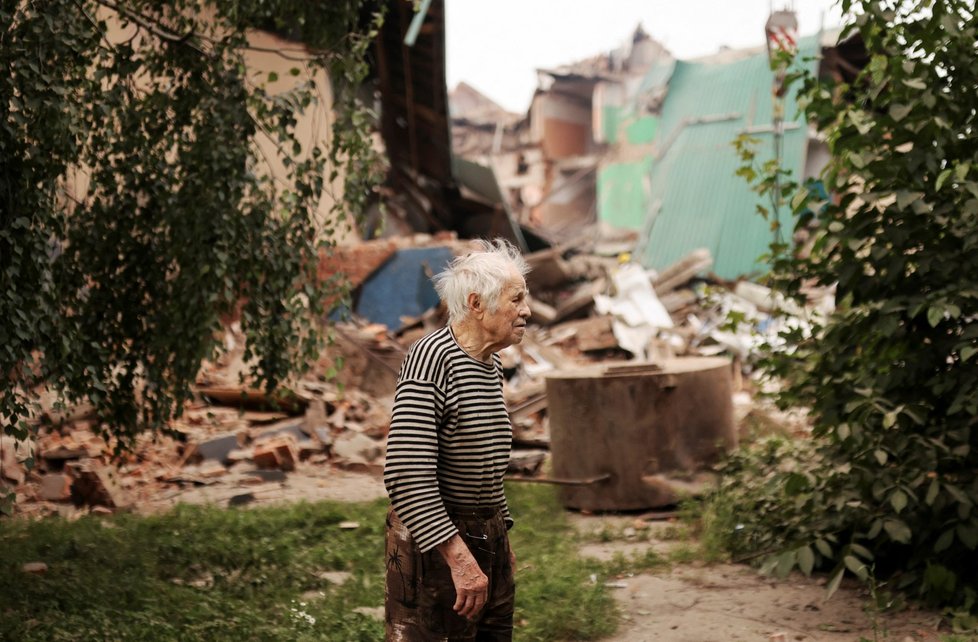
x=695 y=602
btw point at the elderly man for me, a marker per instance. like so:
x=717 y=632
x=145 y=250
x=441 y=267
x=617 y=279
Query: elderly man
x=449 y=562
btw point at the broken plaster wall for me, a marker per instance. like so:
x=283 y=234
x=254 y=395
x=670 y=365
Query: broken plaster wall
x=561 y=125
x=623 y=193
x=570 y=203
x=313 y=126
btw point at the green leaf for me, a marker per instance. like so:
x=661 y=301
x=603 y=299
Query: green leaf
x=967 y=352
x=905 y=199
x=934 y=315
x=968 y=534
x=877 y=67
x=956 y=493
x=786 y=562
x=842 y=431
x=944 y=541
x=898 y=500
x=915 y=83
x=806 y=560
x=899 y=111
x=834 y=581
x=823 y=547
x=961 y=171
x=932 y=491
x=855 y=566
x=942 y=178
x=875 y=529
x=897 y=530
x=799 y=199
x=880 y=456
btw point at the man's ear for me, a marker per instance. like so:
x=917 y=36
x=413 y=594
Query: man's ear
x=476 y=308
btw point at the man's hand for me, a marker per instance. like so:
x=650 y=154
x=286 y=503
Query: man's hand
x=471 y=584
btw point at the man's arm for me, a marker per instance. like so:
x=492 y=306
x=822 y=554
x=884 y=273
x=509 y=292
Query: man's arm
x=410 y=470
x=471 y=584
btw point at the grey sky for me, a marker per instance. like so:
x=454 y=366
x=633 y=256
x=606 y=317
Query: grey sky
x=496 y=45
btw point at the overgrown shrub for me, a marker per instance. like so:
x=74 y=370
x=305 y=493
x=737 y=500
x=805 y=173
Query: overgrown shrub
x=889 y=480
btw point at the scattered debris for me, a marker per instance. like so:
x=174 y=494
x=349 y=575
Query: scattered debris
x=12 y=455
x=278 y=452
x=55 y=487
x=96 y=485
x=36 y=568
x=239 y=443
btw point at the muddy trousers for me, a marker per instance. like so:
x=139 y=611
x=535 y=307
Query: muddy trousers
x=419 y=593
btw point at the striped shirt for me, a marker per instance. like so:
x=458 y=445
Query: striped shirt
x=449 y=440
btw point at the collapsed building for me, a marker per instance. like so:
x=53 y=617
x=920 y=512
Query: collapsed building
x=619 y=185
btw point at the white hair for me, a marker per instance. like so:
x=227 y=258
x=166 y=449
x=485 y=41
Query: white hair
x=483 y=271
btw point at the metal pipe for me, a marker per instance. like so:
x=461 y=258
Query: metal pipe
x=562 y=482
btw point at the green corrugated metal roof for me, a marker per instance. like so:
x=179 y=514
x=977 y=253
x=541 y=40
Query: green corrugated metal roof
x=702 y=203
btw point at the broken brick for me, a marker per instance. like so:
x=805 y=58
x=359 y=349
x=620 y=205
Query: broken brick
x=55 y=487
x=278 y=452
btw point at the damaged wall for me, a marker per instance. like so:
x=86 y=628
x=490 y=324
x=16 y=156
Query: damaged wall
x=682 y=190
x=561 y=125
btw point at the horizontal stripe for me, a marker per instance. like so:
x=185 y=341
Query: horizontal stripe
x=449 y=439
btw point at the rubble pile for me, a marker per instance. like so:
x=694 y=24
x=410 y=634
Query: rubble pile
x=237 y=444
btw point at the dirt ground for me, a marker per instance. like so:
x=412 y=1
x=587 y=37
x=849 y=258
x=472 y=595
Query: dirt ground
x=715 y=603
x=690 y=602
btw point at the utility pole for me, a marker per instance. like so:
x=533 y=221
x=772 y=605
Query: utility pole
x=781 y=36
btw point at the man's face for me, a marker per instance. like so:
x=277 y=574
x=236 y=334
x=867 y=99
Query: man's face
x=507 y=324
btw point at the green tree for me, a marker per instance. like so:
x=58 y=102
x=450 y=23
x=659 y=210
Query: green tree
x=136 y=209
x=887 y=487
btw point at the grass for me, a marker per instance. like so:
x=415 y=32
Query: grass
x=213 y=574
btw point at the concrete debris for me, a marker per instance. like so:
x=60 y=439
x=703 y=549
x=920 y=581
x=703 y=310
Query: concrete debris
x=590 y=304
x=12 y=455
x=526 y=462
x=218 y=448
x=35 y=568
x=357 y=448
x=55 y=487
x=681 y=272
x=96 y=485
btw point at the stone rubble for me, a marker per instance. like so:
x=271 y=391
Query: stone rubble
x=335 y=418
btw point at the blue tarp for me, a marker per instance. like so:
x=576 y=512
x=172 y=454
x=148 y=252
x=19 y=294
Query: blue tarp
x=402 y=287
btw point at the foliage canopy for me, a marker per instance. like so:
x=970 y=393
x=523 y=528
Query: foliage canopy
x=138 y=208
x=887 y=488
